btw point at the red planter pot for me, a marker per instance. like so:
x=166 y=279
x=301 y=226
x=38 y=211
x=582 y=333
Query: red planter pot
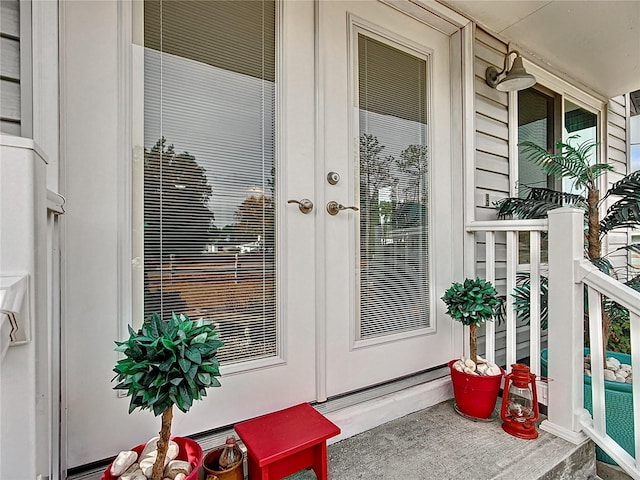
x=190 y=451
x=475 y=395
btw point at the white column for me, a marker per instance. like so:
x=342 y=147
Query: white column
x=565 y=331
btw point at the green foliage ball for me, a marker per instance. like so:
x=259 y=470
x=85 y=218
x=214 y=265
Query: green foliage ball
x=472 y=302
x=168 y=363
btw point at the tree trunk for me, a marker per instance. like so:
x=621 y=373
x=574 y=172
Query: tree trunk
x=473 y=343
x=594 y=250
x=593 y=236
x=163 y=444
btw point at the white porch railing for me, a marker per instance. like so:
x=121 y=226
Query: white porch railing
x=568 y=273
x=507 y=231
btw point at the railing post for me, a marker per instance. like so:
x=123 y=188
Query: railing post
x=565 y=331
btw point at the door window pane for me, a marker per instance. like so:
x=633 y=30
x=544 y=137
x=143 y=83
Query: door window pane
x=394 y=190
x=209 y=170
x=535 y=124
x=580 y=127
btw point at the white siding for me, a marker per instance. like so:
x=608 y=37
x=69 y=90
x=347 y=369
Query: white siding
x=616 y=151
x=492 y=131
x=10 y=67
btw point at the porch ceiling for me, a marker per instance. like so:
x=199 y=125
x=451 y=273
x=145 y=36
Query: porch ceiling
x=594 y=42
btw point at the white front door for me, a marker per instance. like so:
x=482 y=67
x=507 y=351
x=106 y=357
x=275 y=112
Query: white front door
x=216 y=103
x=386 y=122
x=233 y=110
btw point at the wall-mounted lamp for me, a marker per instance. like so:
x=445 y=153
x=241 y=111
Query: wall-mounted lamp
x=510 y=80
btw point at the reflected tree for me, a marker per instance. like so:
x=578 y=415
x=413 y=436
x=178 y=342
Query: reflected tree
x=375 y=174
x=177 y=219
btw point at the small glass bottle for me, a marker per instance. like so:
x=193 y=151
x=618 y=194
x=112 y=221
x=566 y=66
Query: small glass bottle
x=231 y=453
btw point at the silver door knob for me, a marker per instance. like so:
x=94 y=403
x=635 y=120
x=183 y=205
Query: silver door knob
x=333 y=208
x=305 y=205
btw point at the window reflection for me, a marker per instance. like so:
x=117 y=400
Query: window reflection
x=393 y=188
x=209 y=170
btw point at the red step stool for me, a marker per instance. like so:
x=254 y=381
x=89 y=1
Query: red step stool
x=284 y=442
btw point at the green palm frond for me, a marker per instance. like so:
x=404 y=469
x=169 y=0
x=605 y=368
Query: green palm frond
x=538 y=202
x=603 y=264
x=565 y=163
x=628 y=186
x=634 y=247
x=522 y=299
x=634 y=283
x=625 y=212
x=622 y=214
x=593 y=173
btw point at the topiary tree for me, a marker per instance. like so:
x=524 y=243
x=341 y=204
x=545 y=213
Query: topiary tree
x=166 y=364
x=472 y=303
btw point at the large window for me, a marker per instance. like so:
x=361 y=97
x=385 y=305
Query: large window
x=544 y=118
x=205 y=237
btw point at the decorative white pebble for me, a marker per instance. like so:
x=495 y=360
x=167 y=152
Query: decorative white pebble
x=613 y=363
x=180 y=476
x=146 y=463
x=134 y=473
x=122 y=462
x=493 y=370
x=470 y=364
x=174 y=467
x=150 y=446
x=609 y=375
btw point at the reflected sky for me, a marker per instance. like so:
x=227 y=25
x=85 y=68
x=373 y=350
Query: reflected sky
x=223 y=118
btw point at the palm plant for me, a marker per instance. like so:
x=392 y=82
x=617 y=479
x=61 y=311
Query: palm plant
x=573 y=163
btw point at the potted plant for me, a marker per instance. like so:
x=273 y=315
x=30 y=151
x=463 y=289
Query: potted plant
x=573 y=163
x=476 y=383
x=166 y=364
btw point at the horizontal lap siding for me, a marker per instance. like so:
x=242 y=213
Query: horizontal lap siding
x=617 y=156
x=10 y=108
x=491 y=126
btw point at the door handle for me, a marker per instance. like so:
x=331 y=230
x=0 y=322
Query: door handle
x=333 y=208
x=305 y=205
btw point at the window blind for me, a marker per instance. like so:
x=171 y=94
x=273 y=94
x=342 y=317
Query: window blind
x=394 y=190
x=209 y=170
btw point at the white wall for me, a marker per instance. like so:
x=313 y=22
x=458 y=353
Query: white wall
x=24 y=402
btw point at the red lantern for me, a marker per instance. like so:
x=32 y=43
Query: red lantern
x=520 y=403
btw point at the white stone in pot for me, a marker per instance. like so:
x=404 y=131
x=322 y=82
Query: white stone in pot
x=174 y=467
x=146 y=462
x=613 y=363
x=470 y=364
x=123 y=461
x=609 y=375
x=133 y=473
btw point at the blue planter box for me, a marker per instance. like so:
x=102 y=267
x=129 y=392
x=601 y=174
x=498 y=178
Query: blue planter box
x=618 y=407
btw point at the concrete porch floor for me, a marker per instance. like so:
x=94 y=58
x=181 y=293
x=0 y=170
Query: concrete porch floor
x=437 y=443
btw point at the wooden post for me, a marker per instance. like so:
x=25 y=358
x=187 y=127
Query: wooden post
x=566 y=327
